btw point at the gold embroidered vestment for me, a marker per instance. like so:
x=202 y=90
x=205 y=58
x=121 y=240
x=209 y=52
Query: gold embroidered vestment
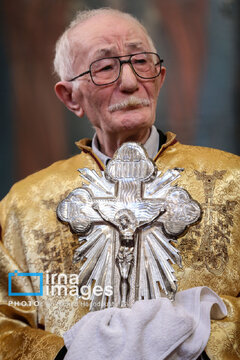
x=33 y=240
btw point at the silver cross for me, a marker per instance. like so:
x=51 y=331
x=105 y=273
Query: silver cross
x=126 y=219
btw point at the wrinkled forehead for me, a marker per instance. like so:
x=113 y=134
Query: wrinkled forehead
x=108 y=35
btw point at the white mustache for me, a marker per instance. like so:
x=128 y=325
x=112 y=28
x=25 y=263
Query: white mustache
x=132 y=101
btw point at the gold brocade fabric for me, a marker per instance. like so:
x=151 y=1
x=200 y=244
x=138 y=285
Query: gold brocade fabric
x=34 y=241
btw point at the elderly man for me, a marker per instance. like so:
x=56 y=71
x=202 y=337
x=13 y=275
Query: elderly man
x=110 y=71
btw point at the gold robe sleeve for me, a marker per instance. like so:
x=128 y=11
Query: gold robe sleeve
x=224 y=341
x=19 y=336
x=33 y=240
x=210 y=249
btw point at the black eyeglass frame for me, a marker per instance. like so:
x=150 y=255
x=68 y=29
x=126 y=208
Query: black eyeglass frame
x=121 y=63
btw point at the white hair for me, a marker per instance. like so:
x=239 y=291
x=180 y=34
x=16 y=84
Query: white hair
x=64 y=51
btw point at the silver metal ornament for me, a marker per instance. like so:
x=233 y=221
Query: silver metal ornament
x=126 y=220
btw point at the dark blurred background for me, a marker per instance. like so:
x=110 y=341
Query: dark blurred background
x=198 y=40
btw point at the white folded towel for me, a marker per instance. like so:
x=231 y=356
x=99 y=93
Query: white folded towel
x=150 y=330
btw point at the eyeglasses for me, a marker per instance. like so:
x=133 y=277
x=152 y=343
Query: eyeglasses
x=146 y=65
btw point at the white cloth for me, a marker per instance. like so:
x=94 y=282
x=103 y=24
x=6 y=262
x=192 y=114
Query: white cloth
x=150 y=330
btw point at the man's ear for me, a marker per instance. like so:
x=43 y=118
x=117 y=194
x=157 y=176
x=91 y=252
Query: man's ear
x=64 y=91
x=161 y=78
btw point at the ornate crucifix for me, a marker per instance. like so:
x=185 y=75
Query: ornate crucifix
x=126 y=219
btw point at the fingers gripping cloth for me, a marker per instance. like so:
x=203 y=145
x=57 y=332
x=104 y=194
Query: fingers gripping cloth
x=151 y=330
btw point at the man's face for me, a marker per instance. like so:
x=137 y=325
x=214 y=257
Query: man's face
x=105 y=36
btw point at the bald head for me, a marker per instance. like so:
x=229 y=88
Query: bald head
x=65 y=51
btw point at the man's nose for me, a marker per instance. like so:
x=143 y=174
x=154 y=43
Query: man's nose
x=128 y=79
